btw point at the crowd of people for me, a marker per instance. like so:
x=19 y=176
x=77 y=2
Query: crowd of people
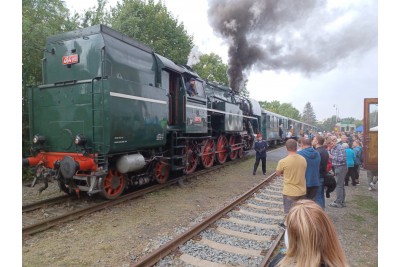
x=327 y=162
x=315 y=166
x=328 y=155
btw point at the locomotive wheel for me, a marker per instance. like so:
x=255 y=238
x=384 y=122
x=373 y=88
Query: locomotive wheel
x=234 y=153
x=240 y=153
x=112 y=185
x=161 y=172
x=222 y=154
x=208 y=153
x=191 y=159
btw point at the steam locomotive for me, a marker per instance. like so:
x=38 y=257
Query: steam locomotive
x=113 y=114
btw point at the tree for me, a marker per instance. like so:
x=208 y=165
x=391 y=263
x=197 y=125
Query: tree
x=153 y=25
x=327 y=124
x=271 y=106
x=96 y=15
x=285 y=109
x=309 y=114
x=288 y=110
x=211 y=67
x=40 y=19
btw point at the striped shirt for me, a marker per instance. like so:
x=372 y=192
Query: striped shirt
x=338 y=156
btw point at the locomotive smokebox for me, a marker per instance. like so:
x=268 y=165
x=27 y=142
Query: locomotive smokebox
x=130 y=163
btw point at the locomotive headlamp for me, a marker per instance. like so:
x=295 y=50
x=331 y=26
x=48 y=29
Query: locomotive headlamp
x=80 y=140
x=38 y=139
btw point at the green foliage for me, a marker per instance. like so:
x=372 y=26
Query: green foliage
x=153 y=25
x=285 y=109
x=96 y=15
x=327 y=124
x=367 y=203
x=309 y=114
x=40 y=19
x=211 y=67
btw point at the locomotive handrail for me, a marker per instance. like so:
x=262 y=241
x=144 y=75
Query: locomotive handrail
x=65 y=83
x=223 y=100
x=197 y=101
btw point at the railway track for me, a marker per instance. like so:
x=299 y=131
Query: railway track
x=244 y=233
x=40 y=216
x=46 y=202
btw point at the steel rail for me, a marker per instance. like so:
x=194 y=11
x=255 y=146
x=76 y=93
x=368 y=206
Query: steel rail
x=172 y=245
x=272 y=249
x=50 y=201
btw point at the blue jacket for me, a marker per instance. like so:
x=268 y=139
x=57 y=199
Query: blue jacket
x=261 y=149
x=313 y=159
x=358 y=152
x=350 y=157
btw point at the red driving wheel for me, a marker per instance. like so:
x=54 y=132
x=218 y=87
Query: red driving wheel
x=233 y=154
x=208 y=153
x=221 y=153
x=191 y=159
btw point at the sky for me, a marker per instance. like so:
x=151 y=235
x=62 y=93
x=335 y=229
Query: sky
x=342 y=68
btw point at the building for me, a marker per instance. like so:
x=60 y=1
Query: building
x=345 y=127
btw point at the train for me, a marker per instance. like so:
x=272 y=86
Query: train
x=112 y=114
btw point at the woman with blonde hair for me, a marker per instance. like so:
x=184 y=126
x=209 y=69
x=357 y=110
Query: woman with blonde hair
x=310 y=238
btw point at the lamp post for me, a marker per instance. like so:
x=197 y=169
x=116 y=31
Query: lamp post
x=335 y=106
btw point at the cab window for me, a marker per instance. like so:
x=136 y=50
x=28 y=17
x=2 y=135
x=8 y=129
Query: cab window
x=200 y=89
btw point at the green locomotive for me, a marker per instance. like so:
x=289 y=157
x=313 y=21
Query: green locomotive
x=112 y=114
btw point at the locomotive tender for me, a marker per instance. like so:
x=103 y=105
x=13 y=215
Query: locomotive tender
x=112 y=114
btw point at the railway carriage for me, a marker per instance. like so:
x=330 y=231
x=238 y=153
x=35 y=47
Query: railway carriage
x=273 y=127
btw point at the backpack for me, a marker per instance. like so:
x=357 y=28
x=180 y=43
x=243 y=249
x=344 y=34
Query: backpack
x=330 y=183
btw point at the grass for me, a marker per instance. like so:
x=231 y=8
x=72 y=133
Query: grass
x=367 y=207
x=367 y=203
x=359 y=219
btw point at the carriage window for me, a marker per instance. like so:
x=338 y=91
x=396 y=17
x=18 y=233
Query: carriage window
x=373 y=117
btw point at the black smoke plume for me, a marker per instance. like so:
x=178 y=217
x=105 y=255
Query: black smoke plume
x=306 y=36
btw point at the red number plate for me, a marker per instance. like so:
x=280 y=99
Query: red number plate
x=72 y=59
x=197 y=119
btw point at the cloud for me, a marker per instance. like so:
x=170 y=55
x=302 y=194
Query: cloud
x=305 y=36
